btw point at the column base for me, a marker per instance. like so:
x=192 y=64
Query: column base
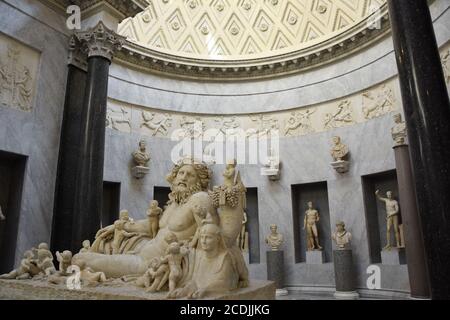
x=281 y=292
x=346 y=295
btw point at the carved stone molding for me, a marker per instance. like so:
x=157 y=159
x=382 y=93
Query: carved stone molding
x=100 y=41
x=127 y=8
x=154 y=45
x=297 y=121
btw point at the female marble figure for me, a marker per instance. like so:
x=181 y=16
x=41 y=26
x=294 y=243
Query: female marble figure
x=214 y=266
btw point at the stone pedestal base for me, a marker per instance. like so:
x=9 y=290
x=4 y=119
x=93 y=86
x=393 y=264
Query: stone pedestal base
x=275 y=267
x=394 y=256
x=41 y=290
x=315 y=257
x=139 y=172
x=341 y=166
x=344 y=275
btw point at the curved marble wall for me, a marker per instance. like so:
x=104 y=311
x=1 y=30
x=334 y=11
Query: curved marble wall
x=366 y=83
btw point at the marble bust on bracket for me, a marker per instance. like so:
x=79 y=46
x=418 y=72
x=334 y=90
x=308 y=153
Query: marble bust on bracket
x=141 y=159
x=339 y=152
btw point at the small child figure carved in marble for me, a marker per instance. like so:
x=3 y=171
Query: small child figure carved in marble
x=154 y=213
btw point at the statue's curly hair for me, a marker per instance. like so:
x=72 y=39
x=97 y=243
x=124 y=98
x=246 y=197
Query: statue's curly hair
x=203 y=172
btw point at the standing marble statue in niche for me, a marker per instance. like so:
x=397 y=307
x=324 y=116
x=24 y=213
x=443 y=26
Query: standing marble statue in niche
x=2 y=217
x=392 y=217
x=398 y=131
x=274 y=239
x=141 y=158
x=341 y=236
x=339 y=153
x=242 y=240
x=310 y=225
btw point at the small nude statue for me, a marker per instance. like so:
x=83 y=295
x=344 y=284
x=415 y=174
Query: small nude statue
x=44 y=259
x=341 y=236
x=274 y=239
x=88 y=276
x=140 y=156
x=200 y=214
x=339 y=150
x=2 y=217
x=65 y=260
x=392 y=212
x=154 y=213
x=242 y=240
x=86 y=246
x=119 y=235
x=155 y=277
x=398 y=131
x=310 y=225
x=160 y=274
x=174 y=259
x=25 y=270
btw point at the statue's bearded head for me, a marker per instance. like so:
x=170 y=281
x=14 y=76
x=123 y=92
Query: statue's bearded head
x=188 y=177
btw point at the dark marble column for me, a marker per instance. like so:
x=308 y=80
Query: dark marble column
x=427 y=113
x=100 y=44
x=63 y=211
x=414 y=247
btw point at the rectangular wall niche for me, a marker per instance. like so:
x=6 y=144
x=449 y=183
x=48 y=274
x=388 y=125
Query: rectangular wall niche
x=252 y=225
x=376 y=209
x=161 y=194
x=318 y=194
x=19 y=65
x=111 y=203
x=12 y=170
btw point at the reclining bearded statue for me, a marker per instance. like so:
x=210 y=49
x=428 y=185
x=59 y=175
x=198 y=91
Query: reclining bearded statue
x=189 y=182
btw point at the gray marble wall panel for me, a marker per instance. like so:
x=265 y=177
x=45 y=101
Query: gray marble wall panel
x=36 y=133
x=305 y=159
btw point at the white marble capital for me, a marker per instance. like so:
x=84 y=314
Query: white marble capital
x=100 y=41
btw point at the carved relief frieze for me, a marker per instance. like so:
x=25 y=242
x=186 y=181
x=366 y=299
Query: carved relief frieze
x=378 y=102
x=18 y=74
x=341 y=116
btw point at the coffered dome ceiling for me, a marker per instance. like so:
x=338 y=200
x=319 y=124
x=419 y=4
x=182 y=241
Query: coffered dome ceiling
x=249 y=33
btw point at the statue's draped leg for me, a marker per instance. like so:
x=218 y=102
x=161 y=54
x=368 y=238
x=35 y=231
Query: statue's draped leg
x=114 y=266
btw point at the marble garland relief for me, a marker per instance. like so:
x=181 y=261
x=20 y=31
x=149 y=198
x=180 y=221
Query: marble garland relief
x=18 y=73
x=351 y=110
